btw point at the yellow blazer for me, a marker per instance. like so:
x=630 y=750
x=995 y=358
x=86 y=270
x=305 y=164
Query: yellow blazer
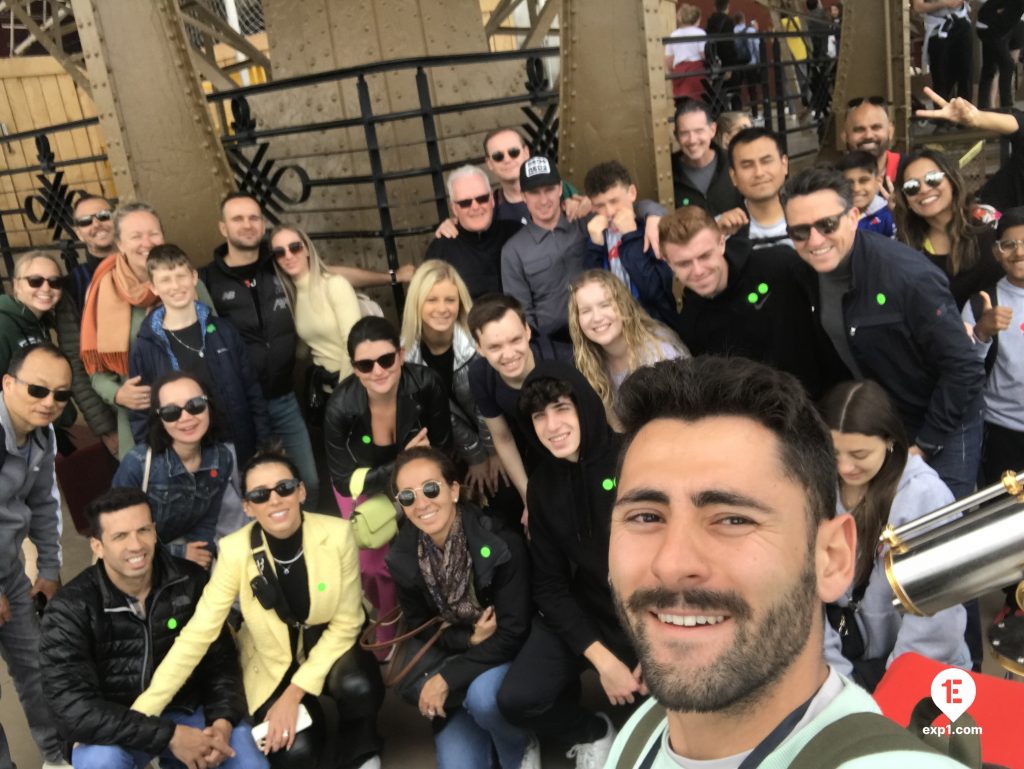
x=335 y=597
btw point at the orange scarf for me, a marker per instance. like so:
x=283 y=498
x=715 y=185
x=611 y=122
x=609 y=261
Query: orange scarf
x=114 y=290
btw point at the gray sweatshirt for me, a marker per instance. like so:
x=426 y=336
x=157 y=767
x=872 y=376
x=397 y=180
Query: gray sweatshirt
x=888 y=632
x=29 y=501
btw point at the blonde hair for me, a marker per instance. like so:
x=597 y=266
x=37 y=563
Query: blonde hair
x=318 y=273
x=642 y=333
x=687 y=14
x=428 y=275
x=23 y=260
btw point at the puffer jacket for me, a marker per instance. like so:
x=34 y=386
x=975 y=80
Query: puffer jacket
x=472 y=439
x=97 y=657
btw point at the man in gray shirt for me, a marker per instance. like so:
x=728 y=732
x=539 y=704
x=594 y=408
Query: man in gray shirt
x=36 y=388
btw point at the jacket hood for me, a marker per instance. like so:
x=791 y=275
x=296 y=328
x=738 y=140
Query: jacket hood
x=221 y=251
x=20 y=315
x=595 y=433
x=914 y=469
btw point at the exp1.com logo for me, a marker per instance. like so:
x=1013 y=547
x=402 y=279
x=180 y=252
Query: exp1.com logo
x=953 y=691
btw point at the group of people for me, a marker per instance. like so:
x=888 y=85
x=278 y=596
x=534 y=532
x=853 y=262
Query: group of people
x=525 y=427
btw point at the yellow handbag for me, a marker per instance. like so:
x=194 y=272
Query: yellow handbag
x=375 y=519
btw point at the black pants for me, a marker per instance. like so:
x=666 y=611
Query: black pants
x=355 y=686
x=1002 y=450
x=995 y=58
x=951 y=61
x=541 y=691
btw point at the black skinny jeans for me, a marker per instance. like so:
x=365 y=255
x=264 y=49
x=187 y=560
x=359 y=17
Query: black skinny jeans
x=995 y=57
x=951 y=61
x=355 y=685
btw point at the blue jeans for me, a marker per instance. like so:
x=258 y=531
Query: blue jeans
x=957 y=463
x=247 y=755
x=472 y=729
x=287 y=425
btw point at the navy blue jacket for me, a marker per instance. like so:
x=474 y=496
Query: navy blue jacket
x=905 y=333
x=232 y=377
x=651 y=278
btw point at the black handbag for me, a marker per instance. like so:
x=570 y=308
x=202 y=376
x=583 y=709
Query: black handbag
x=866 y=671
x=319 y=383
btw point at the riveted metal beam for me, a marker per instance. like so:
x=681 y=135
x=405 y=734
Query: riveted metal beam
x=153 y=115
x=50 y=36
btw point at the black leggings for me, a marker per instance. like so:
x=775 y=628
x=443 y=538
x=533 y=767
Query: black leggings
x=951 y=61
x=995 y=57
x=355 y=686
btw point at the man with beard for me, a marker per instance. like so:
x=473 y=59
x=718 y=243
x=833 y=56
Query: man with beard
x=93 y=217
x=868 y=127
x=719 y=575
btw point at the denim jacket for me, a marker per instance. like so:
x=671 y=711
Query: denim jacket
x=185 y=505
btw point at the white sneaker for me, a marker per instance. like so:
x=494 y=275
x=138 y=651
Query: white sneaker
x=373 y=762
x=594 y=755
x=62 y=764
x=531 y=758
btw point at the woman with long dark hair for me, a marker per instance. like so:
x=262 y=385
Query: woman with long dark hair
x=881 y=483
x=186 y=468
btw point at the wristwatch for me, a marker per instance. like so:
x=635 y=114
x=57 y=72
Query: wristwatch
x=929 y=449
x=394 y=276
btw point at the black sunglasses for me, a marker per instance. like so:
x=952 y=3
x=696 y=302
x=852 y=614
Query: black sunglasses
x=39 y=392
x=172 y=413
x=278 y=251
x=385 y=361
x=430 y=489
x=99 y=216
x=479 y=199
x=933 y=179
x=513 y=153
x=37 y=281
x=878 y=101
x=283 y=488
x=826 y=226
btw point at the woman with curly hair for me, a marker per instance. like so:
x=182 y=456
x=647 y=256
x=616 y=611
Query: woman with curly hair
x=612 y=336
x=933 y=215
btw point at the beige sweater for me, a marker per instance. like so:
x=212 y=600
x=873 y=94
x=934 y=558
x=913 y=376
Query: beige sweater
x=324 y=318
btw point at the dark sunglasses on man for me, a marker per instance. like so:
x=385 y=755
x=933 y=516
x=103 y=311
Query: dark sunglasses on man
x=294 y=247
x=481 y=200
x=385 y=361
x=933 y=179
x=100 y=216
x=878 y=101
x=39 y=392
x=172 y=412
x=826 y=226
x=57 y=282
x=261 y=495
x=513 y=153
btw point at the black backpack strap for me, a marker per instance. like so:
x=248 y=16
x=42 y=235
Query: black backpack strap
x=633 y=750
x=856 y=736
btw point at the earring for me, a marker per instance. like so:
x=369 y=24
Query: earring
x=891 y=447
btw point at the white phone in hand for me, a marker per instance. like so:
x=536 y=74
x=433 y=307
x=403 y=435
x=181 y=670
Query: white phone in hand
x=304 y=721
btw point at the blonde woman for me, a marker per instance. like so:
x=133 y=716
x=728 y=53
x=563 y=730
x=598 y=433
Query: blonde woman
x=612 y=336
x=435 y=333
x=325 y=305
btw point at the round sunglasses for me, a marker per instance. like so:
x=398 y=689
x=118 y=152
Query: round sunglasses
x=933 y=179
x=407 y=497
x=172 y=412
x=261 y=494
x=513 y=153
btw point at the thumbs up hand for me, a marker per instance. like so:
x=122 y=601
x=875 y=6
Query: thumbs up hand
x=992 y=320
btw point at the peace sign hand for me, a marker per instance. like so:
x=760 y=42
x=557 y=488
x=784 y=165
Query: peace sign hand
x=958 y=110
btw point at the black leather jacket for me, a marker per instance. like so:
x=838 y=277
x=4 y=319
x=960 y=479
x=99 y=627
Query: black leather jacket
x=98 y=656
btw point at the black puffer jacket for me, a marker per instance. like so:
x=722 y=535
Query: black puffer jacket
x=422 y=402
x=97 y=657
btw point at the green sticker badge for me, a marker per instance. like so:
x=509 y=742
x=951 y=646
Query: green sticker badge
x=762 y=288
x=367 y=440
x=172 y=624
x=752 y=297
x=321 y=586
x=210 y=328
x=880 y=298
x=485 y=551
x=608 y=484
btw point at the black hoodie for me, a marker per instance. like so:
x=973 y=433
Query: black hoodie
x=570 y=506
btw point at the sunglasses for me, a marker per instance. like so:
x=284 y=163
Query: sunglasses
x=278 y=251
x=933 y=179
x=172 y=413
x=430 y=489
x=479 y=200
x=385 y=361
x=39 y=392
x=513 y=153
x=37 y=281
x=878 y=101
x=1010 y=246
x=283 y=488
x=99 y=216
x=826 y=226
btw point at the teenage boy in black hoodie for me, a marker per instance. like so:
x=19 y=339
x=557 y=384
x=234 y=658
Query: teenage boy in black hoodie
x=570 y=497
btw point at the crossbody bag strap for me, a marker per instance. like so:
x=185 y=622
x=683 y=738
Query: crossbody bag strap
x=856 y=736
x=145 y=470
x=645 y=728
x=259 y=556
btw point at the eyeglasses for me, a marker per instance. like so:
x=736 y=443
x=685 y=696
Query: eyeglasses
x=878 y=101
x=479 y=200
x=913 y=186
x=37 y=281
x=278 y=251
x=385 y=361
x=826 y=226
x=99 y=216
x=283 y=488
x=39 y=392
x=430 y=489
x=1010 y=246
x=172 y=413
x=513 y=153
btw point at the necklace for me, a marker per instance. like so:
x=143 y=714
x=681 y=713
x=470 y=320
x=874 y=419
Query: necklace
x=286 y=565
x=201 y=352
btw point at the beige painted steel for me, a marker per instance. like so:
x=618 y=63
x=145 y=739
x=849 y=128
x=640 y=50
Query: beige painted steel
x=160 y=138
x=614 y=98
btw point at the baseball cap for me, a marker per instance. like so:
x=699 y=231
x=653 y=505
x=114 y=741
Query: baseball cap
x=537 y=172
